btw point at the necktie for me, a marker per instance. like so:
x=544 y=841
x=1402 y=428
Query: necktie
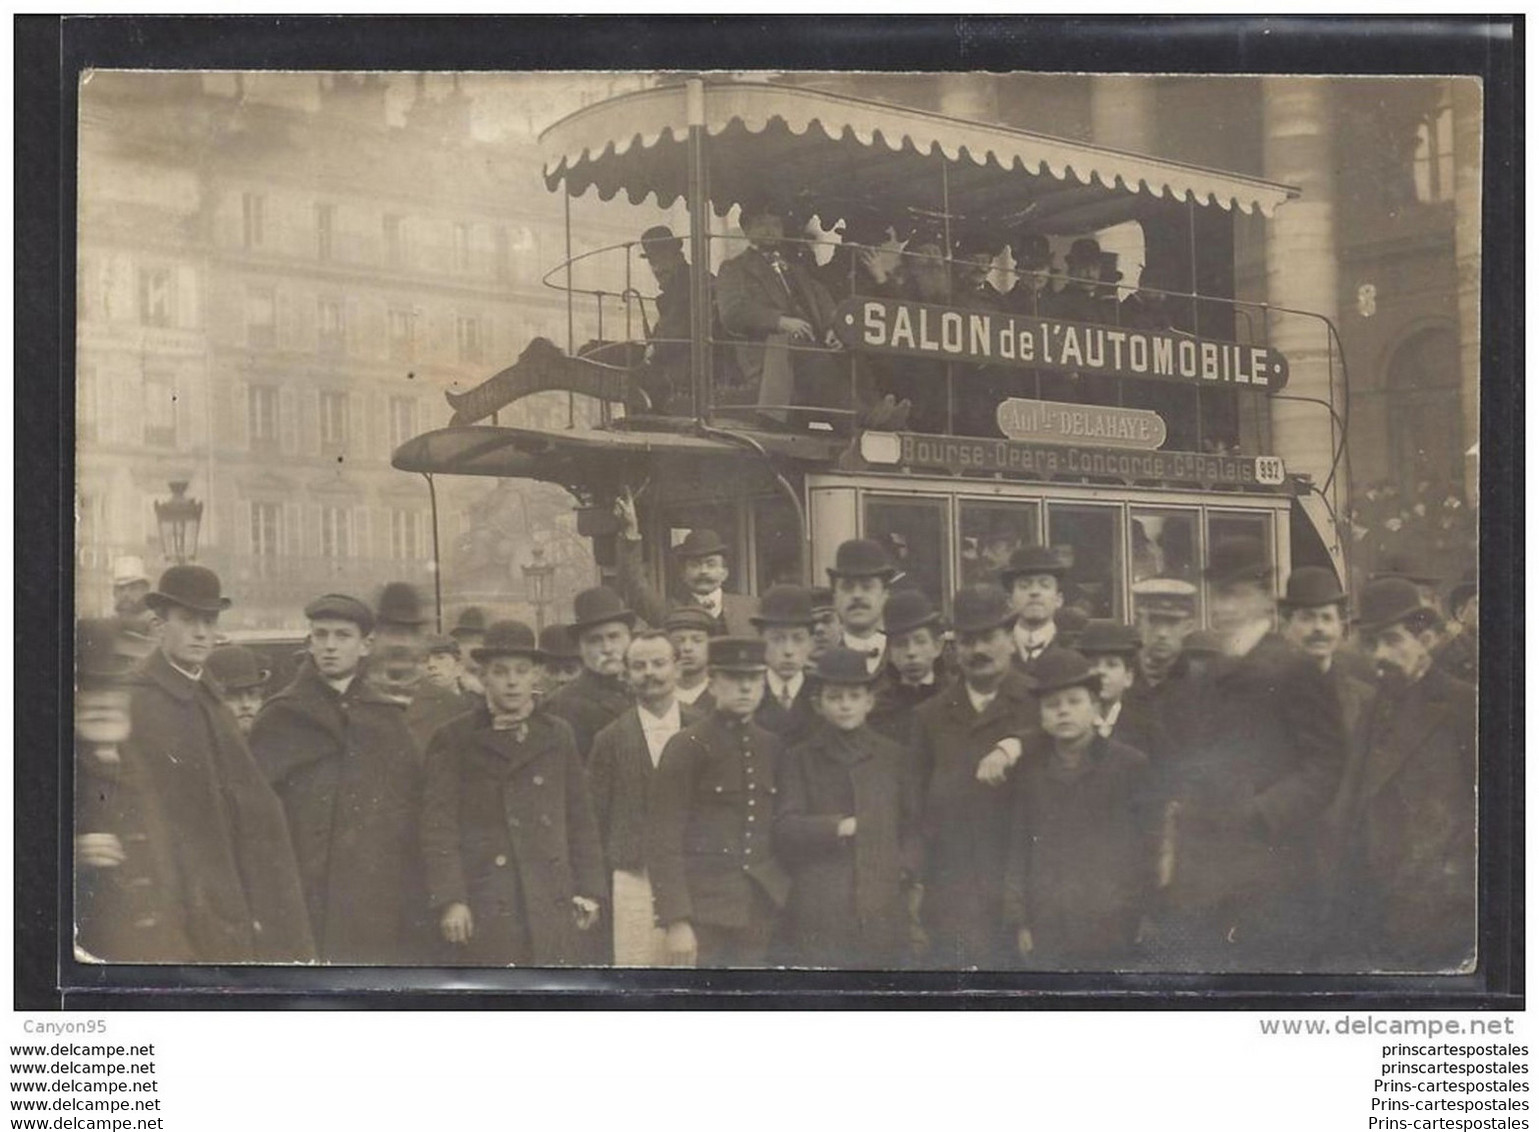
x=518 y=724
x=785 y=697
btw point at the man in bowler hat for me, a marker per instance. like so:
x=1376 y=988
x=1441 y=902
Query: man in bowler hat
x=469 y=629
x=701 y=562
x=560 y=663
x=340 y=756
x=665 y=370
x=1033 y=581
x=784 y=622
x=717 y=885
x=1408 y=802
x=1313 y=610
x=241 y=682
x=602 y=628
x=861 y=577
x=514 y=867
x=1265 y=762
x=915 y=666
x=237 y=894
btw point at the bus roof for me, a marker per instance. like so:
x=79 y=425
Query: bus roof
x=784 y=140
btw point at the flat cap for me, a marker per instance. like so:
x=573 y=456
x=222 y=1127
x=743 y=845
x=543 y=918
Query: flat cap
x=341 y=607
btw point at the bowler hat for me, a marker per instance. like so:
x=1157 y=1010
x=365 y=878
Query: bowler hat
x=1032 y=252
x=754 y=206
x=1203 y=642
x=978 y=241
x=1238 y=559
x=840 y=665
x=1311 y=586
x=191 y=587
x=979 y=608
x=1109 y=272
x=1387 y=602
x=861 y=558
x=556 y=643
x=698 y=544
x=507 y=638
x=737 y=654
x=127 y=570
x=689 y=617
x=234 y=668
x=441 y=644
x=400 y=604
x=866 y=226
x=1057 y=669
x=341 y=607
x=472 y=622
x=1104 y=636
x=659 y=238
x=1465 y=588
x=598 y=606
x=908 y=610
x=99 y=660
x=1170 y=597
x=1084 y=250
x=1032 y=560
x=822 y=600
x=784 y=605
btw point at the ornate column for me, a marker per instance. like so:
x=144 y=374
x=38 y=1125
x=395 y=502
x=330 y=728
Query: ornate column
x=1302 y=274
x=1467 y=181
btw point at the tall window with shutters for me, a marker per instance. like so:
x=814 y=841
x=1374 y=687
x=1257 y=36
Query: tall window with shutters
x=262 y=417
x=403 y=420
x=405 y=535
x=157 y=300
x=334 y=419
x=266 y=534
x=159 y=410
x=336 y=533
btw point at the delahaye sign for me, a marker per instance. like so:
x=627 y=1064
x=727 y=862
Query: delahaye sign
x=1031 y=342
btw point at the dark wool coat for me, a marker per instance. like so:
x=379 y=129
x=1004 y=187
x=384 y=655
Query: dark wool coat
x=893 y=715
x=128 y=913
x=1410 y=812
x=1083 y=855
x=966 y=823
x=750 y=301
x=348 y=773
x=790 y=726
x=712 y=809
x=652 y=606
x=431 y=707
x=620 y=780
x=508 y=829
x=589 y=704
x=1265 y=762
x=238 y=895
x=847 y=906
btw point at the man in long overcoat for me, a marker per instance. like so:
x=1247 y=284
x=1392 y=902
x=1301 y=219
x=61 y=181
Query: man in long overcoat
x=846 y=826
x=601 y=628
x=514 y=867
x=339 y=755
x=1266 y=761
x=238 y=895
x=966 y=813
x=1409 y=797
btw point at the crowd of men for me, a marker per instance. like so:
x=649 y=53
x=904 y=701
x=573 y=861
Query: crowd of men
x=777 y=303
x=835 y=777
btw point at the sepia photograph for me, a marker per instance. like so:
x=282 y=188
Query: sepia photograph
x=966 y=521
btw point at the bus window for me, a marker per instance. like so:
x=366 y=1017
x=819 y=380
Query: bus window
x=991 y=532
x=680 y=519
x=1240 y=524
x=1090 y=540
x=1162 y=543
x=914 y=531
x=776 y=543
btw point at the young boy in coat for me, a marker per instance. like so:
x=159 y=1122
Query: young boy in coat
x=514 y=866
x=845 y=826
x=1082 y=851
x=1111 y=648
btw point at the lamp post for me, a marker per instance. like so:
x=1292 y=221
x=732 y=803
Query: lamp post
x=537 y=576
x=179 y=519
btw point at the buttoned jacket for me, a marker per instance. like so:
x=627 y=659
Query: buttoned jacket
x=620 y=776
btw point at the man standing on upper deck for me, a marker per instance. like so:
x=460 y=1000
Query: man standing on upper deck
x=665 y=373
x=763 y=294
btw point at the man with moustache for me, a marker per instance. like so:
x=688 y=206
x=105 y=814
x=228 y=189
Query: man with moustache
x=716 y=883
x=965 y=824
x=620 y=771
x=703 y=571
x=241 y=682
x=1034 y=583
x=513 y=861
x=238 y=896
x=1314 y=621
x=689 y=629
x=861 y=577
x=602 y=627
x=341 y=758
x=1408 y=800
x=1265 y=762
x=784 y=622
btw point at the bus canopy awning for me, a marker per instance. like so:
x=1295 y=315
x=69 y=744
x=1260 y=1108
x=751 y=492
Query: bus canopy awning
x=851 y=152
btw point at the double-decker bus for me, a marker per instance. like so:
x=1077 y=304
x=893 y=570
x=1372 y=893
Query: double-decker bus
x=1129 y=429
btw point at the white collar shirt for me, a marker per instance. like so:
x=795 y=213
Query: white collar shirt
x=658 y=729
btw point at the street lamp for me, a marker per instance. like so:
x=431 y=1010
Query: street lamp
x=537 y=575
x=179 y=519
